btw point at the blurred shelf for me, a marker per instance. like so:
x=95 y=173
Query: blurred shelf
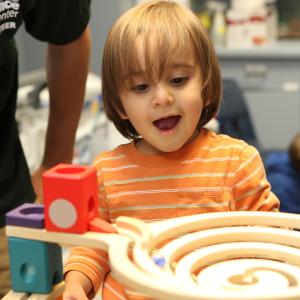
x=289 y=49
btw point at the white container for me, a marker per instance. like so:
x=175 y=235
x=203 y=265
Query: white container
x=237 y=31
x=258 y=26
x=248 y=25
x=247 y=5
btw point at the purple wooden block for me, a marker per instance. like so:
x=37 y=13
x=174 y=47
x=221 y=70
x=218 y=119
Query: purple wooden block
x=27 y=215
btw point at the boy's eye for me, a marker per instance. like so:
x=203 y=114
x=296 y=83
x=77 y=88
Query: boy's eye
x=140 y=88
x=179 y=80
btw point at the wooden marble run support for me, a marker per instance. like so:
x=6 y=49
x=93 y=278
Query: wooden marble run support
x=213 y=256
x=217 y=237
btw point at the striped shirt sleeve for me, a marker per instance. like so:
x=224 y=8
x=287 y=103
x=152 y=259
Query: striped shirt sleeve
x=91 y=262
x=251 y=190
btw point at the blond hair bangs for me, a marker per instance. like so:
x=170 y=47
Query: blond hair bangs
x=164 y=38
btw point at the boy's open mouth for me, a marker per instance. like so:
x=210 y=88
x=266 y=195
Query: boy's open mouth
x=167 y=123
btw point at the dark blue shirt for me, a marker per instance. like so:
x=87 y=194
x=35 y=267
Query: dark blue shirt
x=285 y=181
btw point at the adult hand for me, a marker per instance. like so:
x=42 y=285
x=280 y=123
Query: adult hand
x=36 y=180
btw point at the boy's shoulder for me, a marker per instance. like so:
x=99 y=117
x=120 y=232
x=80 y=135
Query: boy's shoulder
x=111 y=155
x=225 y=145
x=219 y=139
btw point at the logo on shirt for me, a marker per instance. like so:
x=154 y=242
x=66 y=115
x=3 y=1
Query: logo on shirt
x=9 y=11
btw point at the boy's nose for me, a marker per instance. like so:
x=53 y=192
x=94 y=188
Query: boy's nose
x=162 y=97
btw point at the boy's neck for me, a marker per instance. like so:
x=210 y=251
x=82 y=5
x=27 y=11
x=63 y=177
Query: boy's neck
x=145 y=148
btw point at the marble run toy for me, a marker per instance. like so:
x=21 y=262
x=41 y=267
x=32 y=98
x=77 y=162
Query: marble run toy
x=213 y=256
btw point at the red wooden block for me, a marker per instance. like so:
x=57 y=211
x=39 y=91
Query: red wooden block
x=70 y=197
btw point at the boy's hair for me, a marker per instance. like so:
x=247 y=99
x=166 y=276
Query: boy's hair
x=294 y=152
x=177 y=32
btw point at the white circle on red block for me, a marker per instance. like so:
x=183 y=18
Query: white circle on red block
x=62 y=213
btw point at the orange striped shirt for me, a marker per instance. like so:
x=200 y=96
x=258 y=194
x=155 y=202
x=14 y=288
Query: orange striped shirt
x=213 y=173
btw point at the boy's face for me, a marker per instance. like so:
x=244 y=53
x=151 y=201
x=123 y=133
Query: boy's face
x=164 y=113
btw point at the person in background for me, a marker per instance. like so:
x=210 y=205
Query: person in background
x=64 y=25
x=283 y=172
x=161 y=84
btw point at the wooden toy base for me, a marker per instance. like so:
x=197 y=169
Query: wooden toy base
x=214 y=256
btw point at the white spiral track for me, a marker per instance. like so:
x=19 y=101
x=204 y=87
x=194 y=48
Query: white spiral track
x=214 y=256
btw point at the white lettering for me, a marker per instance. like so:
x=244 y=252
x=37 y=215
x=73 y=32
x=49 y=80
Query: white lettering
x=8 y=4
x=9 y=14
x=7 y=25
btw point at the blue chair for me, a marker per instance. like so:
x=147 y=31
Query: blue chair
x=234 y=117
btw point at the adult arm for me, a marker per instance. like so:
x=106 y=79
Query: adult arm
x=67 y=69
